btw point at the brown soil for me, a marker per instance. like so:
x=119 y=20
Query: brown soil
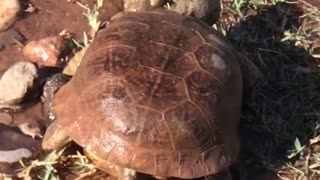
x=49 y=19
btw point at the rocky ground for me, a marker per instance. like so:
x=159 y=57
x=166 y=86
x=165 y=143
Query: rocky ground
x=279 y=129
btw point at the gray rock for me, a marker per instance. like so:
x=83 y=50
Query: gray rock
x=15 y=146
x=207 y=10
x=16 y=81
x=138 y=5
x=8 y=13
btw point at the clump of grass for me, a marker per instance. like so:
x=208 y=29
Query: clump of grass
x=298 y=148
x=307 y=35
x=237 y=7
x=47 y=164
x=82 y=166
x=84 y=43
x=94 y=23
x=92 y=16
x=51 y=167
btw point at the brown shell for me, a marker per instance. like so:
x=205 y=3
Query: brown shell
x=159 y=93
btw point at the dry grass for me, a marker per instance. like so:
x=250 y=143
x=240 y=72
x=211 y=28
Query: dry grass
x=57 y=165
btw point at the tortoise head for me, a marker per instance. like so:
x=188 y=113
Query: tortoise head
x=56 y=137
x=51 y=86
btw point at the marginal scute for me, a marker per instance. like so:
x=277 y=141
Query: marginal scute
x=155 y=89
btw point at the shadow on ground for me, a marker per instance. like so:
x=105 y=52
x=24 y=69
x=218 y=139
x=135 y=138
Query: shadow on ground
x=287 y=102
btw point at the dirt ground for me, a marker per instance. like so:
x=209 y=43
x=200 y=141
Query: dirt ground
x=49 y=19
x=288 y=92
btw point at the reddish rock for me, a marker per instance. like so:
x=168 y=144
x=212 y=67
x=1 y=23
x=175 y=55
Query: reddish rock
x=44 y=52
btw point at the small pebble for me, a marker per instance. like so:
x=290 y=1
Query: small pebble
x=15 y=83
x=44 y=52
x=15 y=146
x=14 y=155
x=9 y=10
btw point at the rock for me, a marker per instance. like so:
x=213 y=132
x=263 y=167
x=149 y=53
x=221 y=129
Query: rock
x=14 y=155
x=9 y=10
x=14 y=147
x=15 y=83
x=44 y=52
x=207 y=10
x=138 y=5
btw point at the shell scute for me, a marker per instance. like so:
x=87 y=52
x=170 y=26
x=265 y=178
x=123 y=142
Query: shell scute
x=154 y=89
x=124 y=33
x=204 y=91
x=214 y=61
x=187 y=123
x=112 y=60
x=174 y=35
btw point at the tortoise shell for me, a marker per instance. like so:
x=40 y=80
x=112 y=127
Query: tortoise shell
x=159 y=93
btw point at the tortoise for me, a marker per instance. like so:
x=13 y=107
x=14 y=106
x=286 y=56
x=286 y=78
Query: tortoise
x=157 y=93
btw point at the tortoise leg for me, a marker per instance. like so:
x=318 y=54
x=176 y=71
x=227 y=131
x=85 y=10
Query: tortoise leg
x=126 y=174
x=55 y=137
